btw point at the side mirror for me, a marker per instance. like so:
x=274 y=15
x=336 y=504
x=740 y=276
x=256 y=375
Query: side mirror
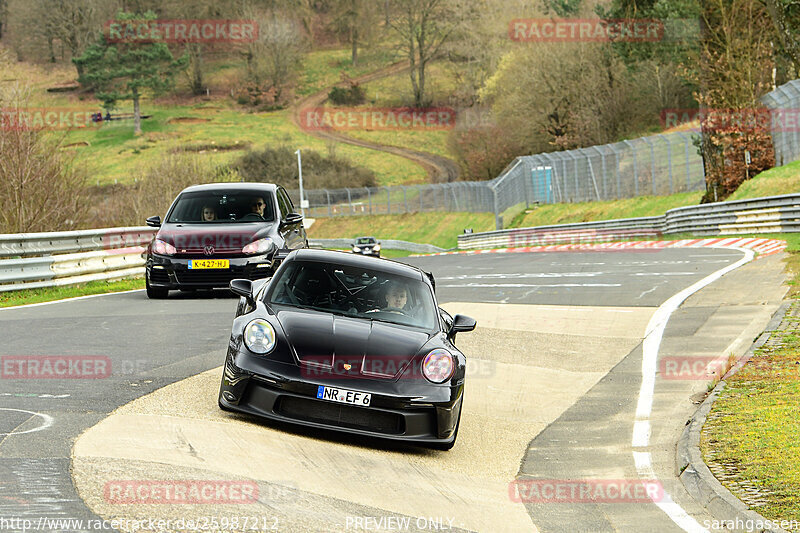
x=243 y=288
x=154 y=222
x=292 y=218
x=462 y=323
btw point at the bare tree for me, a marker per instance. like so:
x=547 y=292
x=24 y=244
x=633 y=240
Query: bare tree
x=735 y=70
x=423 y=27
x=69 y=25
x=358 y=21
x=562 y=95
x=785 y=15
x=3 y=16
x=41 y=188
x=276 y=55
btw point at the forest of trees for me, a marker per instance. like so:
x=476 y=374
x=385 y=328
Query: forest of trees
x=541 y=96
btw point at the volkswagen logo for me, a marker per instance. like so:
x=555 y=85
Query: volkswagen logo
x=208 y=250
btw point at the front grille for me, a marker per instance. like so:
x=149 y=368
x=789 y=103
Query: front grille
x=218 y=277
x=340 y=415
x=159 y=275
x=210 y=277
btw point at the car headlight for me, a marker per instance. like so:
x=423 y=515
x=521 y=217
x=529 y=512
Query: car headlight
x=163 y=248
x=261 y=246
x=377 y=247
x=356 y=249
x=259 y=336
x=438 y=366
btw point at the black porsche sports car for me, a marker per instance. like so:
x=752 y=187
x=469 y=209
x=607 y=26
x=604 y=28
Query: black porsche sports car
x=356 y=344
x=367 y=246
x=218 y=232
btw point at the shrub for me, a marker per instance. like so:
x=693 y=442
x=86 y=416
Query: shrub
x=41 y=187
x=154 y=189
x=279 y=165
x=352 y=95
x=483 y=151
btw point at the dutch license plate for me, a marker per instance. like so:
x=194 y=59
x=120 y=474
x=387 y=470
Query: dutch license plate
x=196 y=264
x=350 y=397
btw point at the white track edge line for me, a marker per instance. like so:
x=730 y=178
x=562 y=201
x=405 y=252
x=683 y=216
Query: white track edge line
x=650 y=347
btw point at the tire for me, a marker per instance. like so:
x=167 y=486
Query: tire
x=154 y=293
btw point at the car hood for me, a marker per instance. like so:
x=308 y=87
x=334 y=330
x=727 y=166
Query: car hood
x=330 y=342
x=225 y=238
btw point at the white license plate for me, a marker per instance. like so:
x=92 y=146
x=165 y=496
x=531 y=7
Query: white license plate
x=351 y=397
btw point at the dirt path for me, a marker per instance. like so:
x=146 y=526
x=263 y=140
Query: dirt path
x=439 y=169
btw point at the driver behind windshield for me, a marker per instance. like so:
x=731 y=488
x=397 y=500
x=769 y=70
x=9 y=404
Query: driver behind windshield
x=258 y=205
x=396 y=297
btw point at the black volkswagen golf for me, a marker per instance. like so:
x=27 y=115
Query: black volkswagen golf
x=350 y=343
x=217 y=232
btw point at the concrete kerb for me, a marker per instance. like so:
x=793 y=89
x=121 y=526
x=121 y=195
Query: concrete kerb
x=695 y=475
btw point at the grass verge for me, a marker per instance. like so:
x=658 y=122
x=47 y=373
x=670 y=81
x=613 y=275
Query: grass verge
x=751 y=439
x=49 y=294
x=437 y=228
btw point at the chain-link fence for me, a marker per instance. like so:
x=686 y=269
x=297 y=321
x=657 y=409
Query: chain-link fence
x=785 y=104
x=473 y=196
x=656 y=165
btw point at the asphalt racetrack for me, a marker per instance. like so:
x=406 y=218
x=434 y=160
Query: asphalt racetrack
x=555 y=377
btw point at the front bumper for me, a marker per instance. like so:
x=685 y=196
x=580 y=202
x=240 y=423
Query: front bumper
x=414 y=412
x=174 y=272
x=367 y=251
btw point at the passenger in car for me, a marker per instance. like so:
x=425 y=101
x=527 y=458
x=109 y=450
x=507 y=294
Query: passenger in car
x=209 y=214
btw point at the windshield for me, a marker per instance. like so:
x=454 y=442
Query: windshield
x=365 y=240
x=355 y=292
x=220 y=207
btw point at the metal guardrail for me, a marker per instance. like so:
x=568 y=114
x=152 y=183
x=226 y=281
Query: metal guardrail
x=37 y=260
x=60 y=242
x=773 y=214
x=387 y=244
